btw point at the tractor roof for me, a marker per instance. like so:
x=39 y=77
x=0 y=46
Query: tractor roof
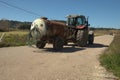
x=74 y=16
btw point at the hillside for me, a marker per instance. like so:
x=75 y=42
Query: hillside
x=7 y=25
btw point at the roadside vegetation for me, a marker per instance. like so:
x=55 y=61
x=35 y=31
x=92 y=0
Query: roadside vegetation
x=14 y=38
x=111 y=57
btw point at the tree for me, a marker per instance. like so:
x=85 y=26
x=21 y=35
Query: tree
x=4 y=25
x=24 y=26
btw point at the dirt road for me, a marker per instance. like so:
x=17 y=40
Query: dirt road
x=72 y=63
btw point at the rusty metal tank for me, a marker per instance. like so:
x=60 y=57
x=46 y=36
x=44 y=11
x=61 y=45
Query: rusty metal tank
x=47 y=29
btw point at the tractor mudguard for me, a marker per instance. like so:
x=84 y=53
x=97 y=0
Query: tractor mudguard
x=81 y=27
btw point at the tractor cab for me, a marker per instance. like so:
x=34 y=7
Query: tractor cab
x=77 y=21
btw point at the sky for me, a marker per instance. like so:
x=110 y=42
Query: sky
x=102 y=13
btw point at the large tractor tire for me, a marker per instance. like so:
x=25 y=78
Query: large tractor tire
x=91 y=37
x=82 y=38
x=58 y=43
x=40 y=44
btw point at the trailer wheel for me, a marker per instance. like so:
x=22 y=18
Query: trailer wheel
x=58 y=43
x=40 y=44
x=82 y=38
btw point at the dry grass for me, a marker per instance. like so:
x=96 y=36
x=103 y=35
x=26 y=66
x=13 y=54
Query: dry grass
x=14 y=38
x=105 y=32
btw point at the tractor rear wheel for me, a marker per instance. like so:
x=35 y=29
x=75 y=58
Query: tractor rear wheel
x=58 y=43
x=40 y=44
x=82 y=38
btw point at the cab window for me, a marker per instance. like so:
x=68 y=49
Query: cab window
x=71 y=21
x=80 y=21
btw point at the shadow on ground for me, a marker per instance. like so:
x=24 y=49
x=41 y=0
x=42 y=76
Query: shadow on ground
x=97 y=45
x=70 y=48
x=66 y=49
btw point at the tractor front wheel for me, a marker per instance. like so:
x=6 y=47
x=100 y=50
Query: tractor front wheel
x=91 y=37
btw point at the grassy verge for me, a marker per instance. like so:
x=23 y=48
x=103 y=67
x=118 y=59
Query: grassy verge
x=111 y=57
x=14 y=38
